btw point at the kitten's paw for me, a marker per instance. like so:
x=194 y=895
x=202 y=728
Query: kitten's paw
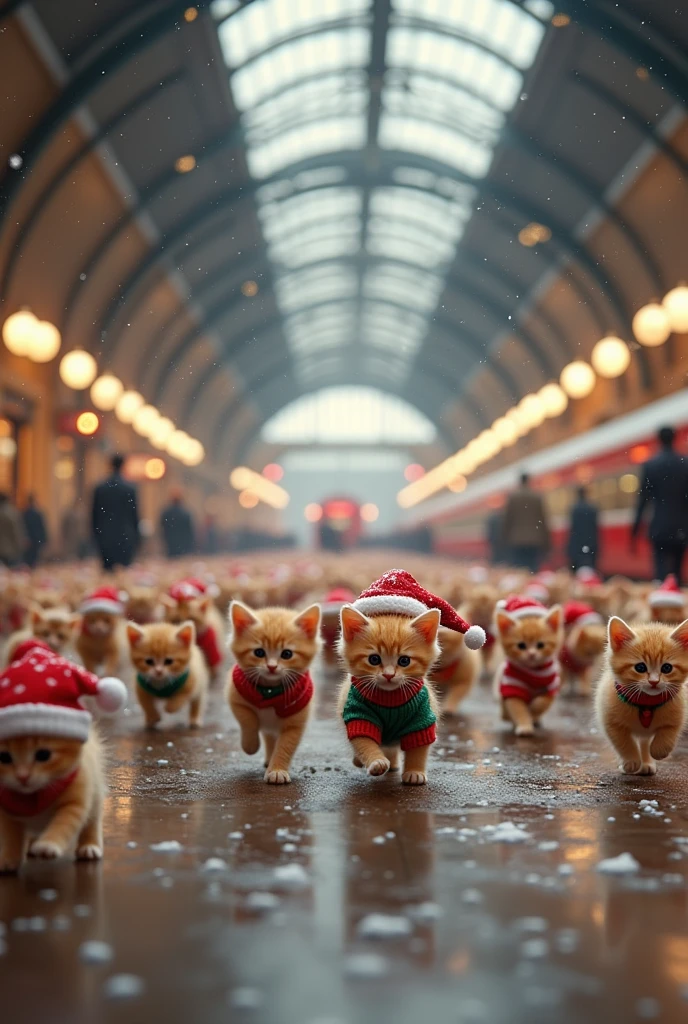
x=524 y=730
x=8 y=867
x=357 y=762
x=414 y=778
x=250 y=744
x=197 y=725
x=277 y=778
x=152 y=723
x=45 y=849
x=89 y=851
x=629 y=767
x=659 y=753
x=648 y=769
x=380 y=766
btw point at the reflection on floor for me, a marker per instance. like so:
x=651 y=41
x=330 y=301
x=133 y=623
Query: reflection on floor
x=342 y=899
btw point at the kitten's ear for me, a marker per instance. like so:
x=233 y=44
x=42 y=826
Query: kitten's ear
x=203 y=604
x=167 y=601
x=134 y=634
x=427 y=624
x=680 y=634
x=353 y=622
x=554 y=618
x=75 y=621
x=186 y=633
x=308 y=621
x=620 y=633
x=504 y=622
x=241 y=617
x=36 y=616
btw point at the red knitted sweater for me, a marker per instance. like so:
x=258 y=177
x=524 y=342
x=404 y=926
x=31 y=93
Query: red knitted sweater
x=27 y=805
x=284 y=702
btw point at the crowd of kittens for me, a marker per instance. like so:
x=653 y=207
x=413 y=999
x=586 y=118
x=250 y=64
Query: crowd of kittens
x=405 y=652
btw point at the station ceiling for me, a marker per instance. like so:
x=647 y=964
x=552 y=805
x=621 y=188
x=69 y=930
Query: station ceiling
x=337 y=189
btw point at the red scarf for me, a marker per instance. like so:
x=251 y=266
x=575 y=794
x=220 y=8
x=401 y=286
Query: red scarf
x=388 y=698
x=644 y=702
x=207 y=641
x=284 y=702
x=28 y=805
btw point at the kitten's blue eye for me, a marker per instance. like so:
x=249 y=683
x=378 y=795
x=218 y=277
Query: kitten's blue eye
x=374 y=659
x=286 y=654
x=522 y=646
x=259 y=652
x=667 y=669
x=404 y=661
x=640 y=667
x=5 y=757
x=43 y=754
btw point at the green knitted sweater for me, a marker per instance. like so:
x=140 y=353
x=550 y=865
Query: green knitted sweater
x=411 y=723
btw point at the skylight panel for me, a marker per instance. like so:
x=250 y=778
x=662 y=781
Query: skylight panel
x=306 y=141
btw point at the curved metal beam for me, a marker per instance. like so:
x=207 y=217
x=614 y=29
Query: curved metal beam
x=30 y=219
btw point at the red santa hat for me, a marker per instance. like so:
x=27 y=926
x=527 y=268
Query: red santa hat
x=518 y=607
x=104 y=599
x=187 y=590
x=40 y=694
x=537 y=590
x=577 y=613
x=335 y=598
x=588 y=576
x=668 y=595
x=398 y=593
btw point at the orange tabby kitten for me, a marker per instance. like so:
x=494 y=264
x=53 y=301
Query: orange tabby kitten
x=210 y=628
x=143 y=605
x=528 y=680
x=641 y=699
x=102 y=642
x=57 y=627
x=385 y=703
x=30 y=766
x=456 y=671
x=270 y=687
x=585 y=637
x=479 y=608
x=169 y=668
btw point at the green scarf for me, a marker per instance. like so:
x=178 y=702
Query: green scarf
x=163 y=692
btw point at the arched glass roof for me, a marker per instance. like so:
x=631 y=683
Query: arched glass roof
x=349 y=415
x=361 y=269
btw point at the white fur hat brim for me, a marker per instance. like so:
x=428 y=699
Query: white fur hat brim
x=44 y=720
x=390 y=604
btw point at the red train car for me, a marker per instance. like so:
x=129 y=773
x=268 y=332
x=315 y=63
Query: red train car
x=607 y=459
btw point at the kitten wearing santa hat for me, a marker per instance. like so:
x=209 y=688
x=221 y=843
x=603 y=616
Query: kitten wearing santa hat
x=102 y=642
x=389 y=643
x=528 y=681
x=52 y=779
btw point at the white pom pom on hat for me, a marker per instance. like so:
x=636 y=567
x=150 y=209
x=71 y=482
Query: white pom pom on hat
x=111 y=696
x=474 y=638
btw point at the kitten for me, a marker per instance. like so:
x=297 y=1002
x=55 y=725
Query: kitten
x=32 y=770
x=641 y=699
x=201 y=610
x=102 y=642
x=57 y=627
x=585 y=638
x=143 y=605
x=169 y=668
x=480 y=608
x=456 y=670
x=385 y=703
x=270 y=688
x=528 y=680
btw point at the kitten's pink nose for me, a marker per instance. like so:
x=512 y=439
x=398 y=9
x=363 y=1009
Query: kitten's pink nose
x=654 y=682
x=389 y=673
x=272 y=666
x=23 y=776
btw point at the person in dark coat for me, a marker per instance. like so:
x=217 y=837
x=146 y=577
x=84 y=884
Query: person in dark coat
x=35 y=530
x=525 y=529
x=583 y=532
x=176 y=526
x=665 y=486
x=115 y=518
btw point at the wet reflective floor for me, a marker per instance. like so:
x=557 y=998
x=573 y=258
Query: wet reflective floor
x=343 y=899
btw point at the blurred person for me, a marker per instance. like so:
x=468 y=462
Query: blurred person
x=211 y=539
x=115 y=518
x=583 y=532
x=35 y=530
x=525 y=530
x=176 y=526
x=665 y=486
x=74 y=542
x=493 y=536
x=12 y=533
